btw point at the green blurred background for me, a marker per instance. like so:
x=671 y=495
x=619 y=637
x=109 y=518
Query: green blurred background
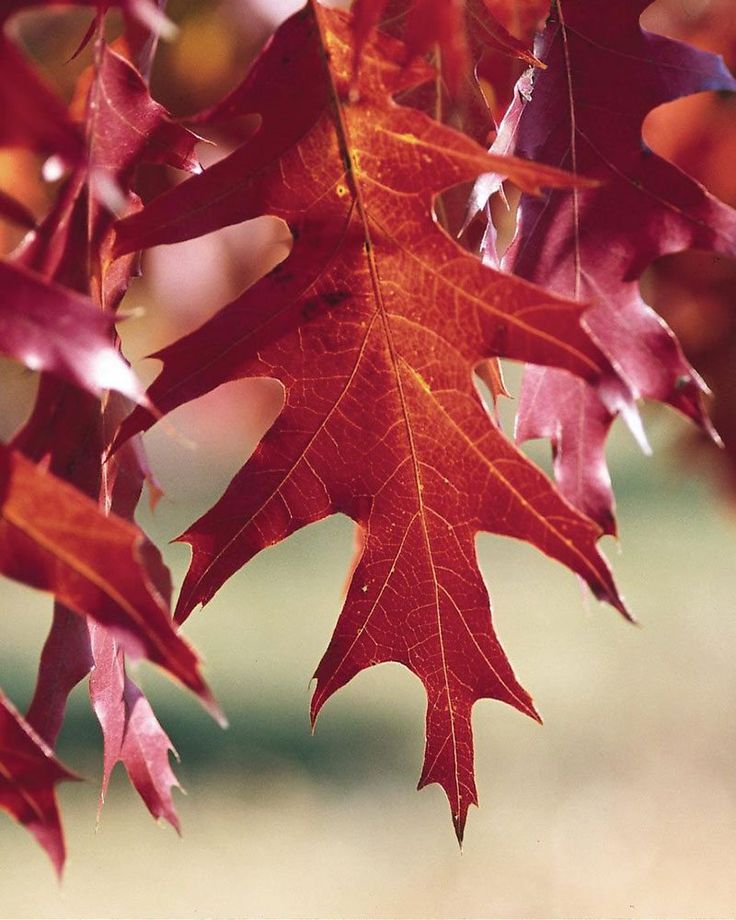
x=623 y=804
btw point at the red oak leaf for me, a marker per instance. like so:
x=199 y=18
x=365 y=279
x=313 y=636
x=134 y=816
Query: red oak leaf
x=54 y=538
x=604 y=74
x=374 y=325
x=28 y=774
x=61 y=291
x=129 y=127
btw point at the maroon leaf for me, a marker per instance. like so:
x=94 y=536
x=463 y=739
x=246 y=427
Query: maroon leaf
x=28 y=774
x=129 y=127
x=604 y=74
x=124 y=128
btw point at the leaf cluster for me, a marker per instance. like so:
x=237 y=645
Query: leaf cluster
x=395 y=298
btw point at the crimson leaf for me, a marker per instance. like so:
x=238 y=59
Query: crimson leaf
x=374 y=326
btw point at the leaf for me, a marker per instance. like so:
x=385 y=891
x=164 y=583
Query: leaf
x=28 y=774
x=133 y=127
x=14 y=211
x=604 y=74
x=54 y=538
x=65 y=660
x=124 y=128
x=461 y=29
x=374 y=325
x=51 y=328
x=33 y=116
x=132 y=734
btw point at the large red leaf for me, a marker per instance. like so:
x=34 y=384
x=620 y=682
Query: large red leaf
x=604 y=74
x=374 y=325
x=28 y=774
x=54 y=538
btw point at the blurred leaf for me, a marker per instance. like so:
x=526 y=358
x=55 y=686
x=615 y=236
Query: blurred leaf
x=131 y=732
x=50 y=328
x=585 y=112
x=54 y=538
x=28 y=774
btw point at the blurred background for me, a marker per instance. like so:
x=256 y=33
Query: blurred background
x=623 y=804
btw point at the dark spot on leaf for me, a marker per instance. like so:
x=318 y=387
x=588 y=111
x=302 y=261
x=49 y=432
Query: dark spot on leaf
x=313 y=306
x=333 y=298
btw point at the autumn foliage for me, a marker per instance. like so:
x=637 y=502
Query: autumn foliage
x=371 y=145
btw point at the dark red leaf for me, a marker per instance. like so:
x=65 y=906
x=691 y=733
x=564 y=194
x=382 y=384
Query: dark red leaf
x=604 y=74
x=65 y=660
x=54 y=538
x=28 y=774
x=126 y=128
x=129 y=127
